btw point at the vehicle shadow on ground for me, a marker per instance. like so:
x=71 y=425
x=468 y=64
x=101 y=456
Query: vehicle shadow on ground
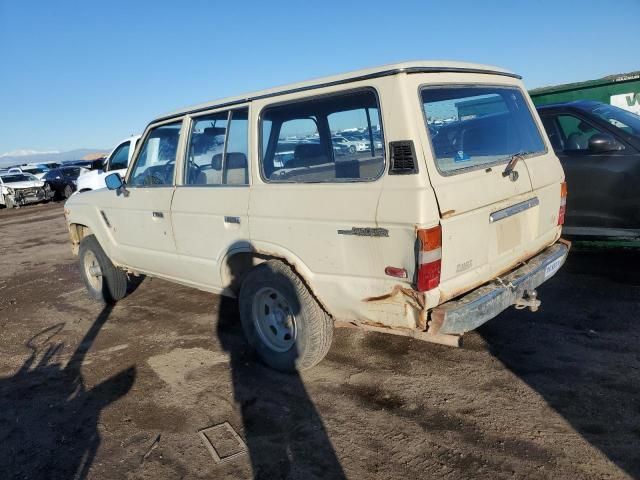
x=48 y=416
x=283 y=430
x=580 y=351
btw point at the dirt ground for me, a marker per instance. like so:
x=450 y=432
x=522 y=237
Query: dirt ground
x=123 y=392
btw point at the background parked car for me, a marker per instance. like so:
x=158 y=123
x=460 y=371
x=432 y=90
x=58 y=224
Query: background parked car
x=117 y=161
x=38 y=171
x=18 y=189
x=63 y=181
x=599 y=147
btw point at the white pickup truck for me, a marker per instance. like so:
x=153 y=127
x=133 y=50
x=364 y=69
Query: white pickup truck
x=118 y=161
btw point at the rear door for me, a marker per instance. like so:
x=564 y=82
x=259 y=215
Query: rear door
x=490 y=220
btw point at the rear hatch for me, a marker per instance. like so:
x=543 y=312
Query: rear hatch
x=491 y=219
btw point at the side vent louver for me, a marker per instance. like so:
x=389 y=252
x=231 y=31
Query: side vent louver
x=403 y=158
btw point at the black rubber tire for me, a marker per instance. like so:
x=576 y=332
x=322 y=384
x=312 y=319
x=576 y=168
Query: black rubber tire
x=114 y=279
x=9 y=202
x=314 y=326
x=352 y=149
x=68 y=191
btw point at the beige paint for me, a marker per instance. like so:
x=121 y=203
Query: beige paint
x=299 y=222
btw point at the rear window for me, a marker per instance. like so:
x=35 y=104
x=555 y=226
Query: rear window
x=478 y=126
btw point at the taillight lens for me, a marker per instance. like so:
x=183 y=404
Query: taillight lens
x=429 y=258
x=563 y=203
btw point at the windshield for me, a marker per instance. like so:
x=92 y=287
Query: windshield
x=472 y=126
x=622 y=119
x=15 y=177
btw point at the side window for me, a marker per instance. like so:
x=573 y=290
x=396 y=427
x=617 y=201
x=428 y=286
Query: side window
x=236 y=168
x=120 y=157
x=218 y=149
x=335 y=138
x=51 y=174
x=575 y=132
x=553 y=133
x=155 y=164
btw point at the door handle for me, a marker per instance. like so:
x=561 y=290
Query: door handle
x=157 y=215
x=235 y=220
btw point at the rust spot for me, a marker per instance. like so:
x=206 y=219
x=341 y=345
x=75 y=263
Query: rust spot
x=409 y=298
x=448 y=213
x=416 y=299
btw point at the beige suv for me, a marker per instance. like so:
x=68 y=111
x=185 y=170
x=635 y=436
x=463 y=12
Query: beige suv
x=451 y=214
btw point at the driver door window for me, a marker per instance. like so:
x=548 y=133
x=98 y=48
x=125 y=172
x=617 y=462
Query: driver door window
x=155 y=164
x=576 y=133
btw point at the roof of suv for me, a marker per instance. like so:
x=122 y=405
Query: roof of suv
x=380 y=71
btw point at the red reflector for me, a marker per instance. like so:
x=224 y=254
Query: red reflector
x=396 y=272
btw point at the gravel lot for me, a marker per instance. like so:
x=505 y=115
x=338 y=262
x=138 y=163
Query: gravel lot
x=122 y=392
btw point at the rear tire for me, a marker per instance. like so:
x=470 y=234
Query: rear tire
x=281 y=319
x=105 y=282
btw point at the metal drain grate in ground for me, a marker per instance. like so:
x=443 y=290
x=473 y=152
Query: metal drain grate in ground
x=223 y=442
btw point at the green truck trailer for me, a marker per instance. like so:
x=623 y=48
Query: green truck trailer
x=621 y=90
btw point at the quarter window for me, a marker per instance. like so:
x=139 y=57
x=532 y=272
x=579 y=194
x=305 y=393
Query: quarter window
x=335 y=138
x=218 y=149
x=156 y=162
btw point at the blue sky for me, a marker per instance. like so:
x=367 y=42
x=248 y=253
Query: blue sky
x=86 y=74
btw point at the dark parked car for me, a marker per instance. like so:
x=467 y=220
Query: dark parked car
x=599 y=147
x=63 y=180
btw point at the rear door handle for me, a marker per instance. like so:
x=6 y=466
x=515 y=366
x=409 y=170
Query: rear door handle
x=158 y=215
x=235 y=220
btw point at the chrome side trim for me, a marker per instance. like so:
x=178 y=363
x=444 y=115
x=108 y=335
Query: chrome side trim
x=514 y=209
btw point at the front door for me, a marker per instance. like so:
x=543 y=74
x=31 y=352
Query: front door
x=141 y=218
x=209 y=209
x=602 y=186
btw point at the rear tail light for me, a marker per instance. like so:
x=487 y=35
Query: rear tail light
x=563 y=203
x=429 y=258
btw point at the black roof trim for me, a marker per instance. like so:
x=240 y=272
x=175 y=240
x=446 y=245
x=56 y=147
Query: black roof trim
x=384 y=73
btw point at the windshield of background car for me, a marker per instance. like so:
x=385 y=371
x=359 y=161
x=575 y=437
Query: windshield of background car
x=474 y=126
x=15 y=177
x=622 y=119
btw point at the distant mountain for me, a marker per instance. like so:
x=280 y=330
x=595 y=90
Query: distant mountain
x=20 y=157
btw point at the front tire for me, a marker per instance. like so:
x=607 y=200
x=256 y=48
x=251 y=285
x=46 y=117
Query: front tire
x=281 y=319
x=105 y=282
x=67 y=192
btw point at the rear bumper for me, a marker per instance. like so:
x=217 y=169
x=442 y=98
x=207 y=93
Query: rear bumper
x=481 y=305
